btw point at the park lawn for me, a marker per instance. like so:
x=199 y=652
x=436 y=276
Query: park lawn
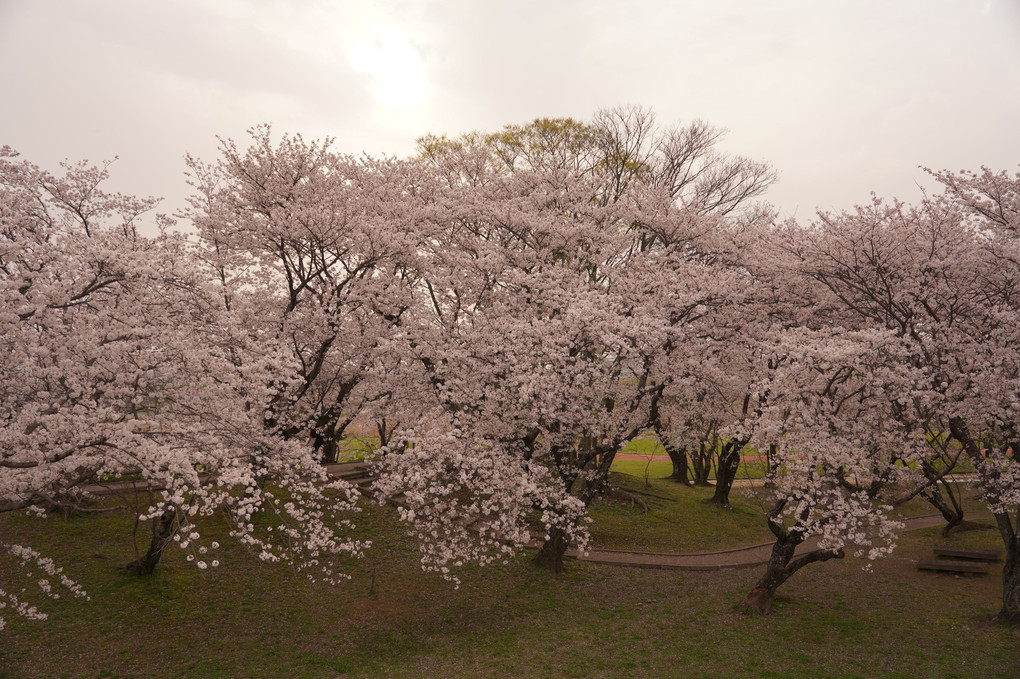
x=252 y=619
x=644 y=445
x=678 y=520
x=661 y=468
x=356 y=449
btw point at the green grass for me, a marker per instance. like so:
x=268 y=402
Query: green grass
x=661 y=469
x=250 y=619
x=355 y=449
x=644 y=445
x=678 y=520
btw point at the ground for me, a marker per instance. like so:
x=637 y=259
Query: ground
x=248 y=618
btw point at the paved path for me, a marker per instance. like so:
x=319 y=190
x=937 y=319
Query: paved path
x=755 y=555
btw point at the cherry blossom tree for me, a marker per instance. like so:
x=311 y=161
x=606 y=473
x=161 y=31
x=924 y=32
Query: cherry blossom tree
x=984 y=416
x=942 y=277
x=840 y=460
x=718 y=311
x=118 y=362
x=570 y=271
x=522 y=335
x=321 y=248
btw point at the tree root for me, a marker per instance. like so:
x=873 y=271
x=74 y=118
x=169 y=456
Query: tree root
x=626 y=496
x=965 y=526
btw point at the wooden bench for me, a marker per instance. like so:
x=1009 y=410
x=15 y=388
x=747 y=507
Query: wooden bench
x=964 y=553
x=952 y=566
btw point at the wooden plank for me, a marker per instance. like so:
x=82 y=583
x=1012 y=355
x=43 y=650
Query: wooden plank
x=964 y=553
x=952 y=566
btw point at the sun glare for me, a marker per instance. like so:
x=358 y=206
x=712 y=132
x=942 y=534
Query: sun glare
x=392 y=62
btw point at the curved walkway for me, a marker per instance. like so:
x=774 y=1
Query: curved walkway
x=755 y=555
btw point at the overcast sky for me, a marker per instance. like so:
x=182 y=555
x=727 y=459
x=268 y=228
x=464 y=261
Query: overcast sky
x=844 y=97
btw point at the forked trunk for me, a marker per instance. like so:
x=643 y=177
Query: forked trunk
x=726 y=472
x=385 y=430
x=952 y=513
x=329 y=450
x=781 y=566
x=164 y=528
x=701 y=462
x=599 y=462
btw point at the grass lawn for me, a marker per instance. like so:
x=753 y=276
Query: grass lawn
x=661 y=468
x=644 y=445
x=677 y=520
x=250 y=619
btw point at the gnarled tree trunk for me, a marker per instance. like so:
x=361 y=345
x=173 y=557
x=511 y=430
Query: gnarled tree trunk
x=164 y=527
x=701 y=462
x=1011 y=583
x=328 y=448
x=1010 y=611
x=599 y=461
x=782 y=563
x=781 y=566
x=951 y=511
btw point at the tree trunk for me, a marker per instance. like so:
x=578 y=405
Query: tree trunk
x=1007 y=530
x=952 y=514
x=760 y=598
x=678 y=456
x=771 y=458
x=1011 y=583
x=164 y=528
x=701 y=461
x=329 y=449
x=550 y=555
x=598 y=460
x=780 y=567
x=726 y=472
x=385 y=430
x=1010 y=532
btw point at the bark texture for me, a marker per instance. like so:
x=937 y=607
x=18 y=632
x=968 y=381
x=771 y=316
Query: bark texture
x=781 y=566
x=681 y=471
x=726 y=471
x=163 y=530
x=782 y=562
x=551 y=554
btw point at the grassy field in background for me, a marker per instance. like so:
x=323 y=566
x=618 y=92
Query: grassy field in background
x=251 y=619
x=644 y=445
x=356 y=449
x=661 y=468
x=677 y=519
